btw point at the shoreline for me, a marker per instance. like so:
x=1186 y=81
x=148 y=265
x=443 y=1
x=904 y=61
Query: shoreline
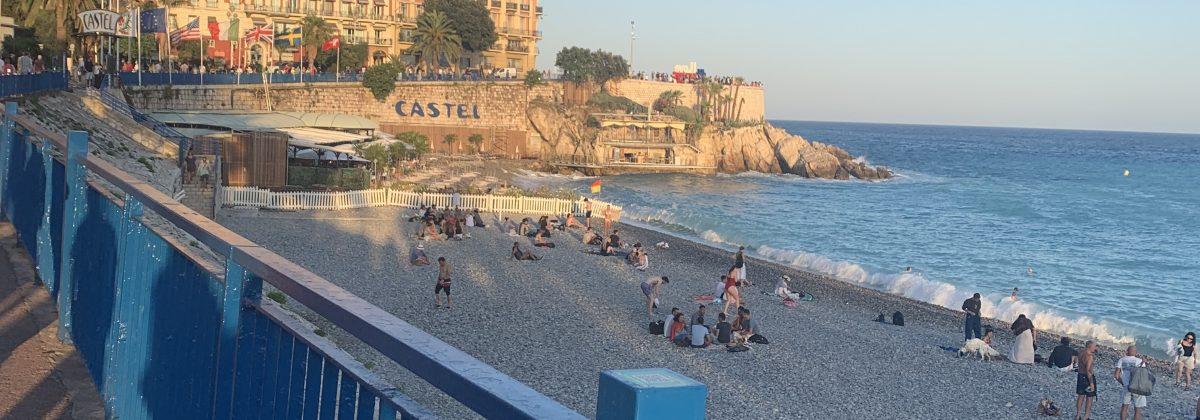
x=1046 y=339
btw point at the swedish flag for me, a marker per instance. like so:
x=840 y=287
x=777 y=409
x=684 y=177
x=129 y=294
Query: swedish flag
x=289 y=37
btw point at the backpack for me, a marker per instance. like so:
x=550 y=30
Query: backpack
x=656 y=327
x=1141 y=381
x=758 y=339
x=898 y=319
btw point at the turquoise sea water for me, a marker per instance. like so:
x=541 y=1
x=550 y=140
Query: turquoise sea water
x=1114 y=257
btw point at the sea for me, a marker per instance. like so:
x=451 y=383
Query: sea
x=1099 y=231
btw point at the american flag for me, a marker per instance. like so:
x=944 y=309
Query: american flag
x=260 y=33
x=190 y=32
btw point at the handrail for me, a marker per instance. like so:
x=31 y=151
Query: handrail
x=477 y=385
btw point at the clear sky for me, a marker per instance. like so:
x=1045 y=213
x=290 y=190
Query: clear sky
x=1105 y=65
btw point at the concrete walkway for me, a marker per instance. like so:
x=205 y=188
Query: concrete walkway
x=40 y=377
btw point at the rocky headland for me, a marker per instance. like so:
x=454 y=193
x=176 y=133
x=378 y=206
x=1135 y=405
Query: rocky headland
x=758 y=146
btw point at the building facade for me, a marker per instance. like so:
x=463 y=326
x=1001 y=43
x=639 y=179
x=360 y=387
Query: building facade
x=385 y=26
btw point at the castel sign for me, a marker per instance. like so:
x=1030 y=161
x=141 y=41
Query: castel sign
x=437 y=110
x=106 y=22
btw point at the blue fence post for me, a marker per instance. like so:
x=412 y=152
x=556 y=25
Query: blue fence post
x=643 y=394
x=240 y=286
x=129 y=253
x=73 y=214
x=10 y=109
x=45 y=245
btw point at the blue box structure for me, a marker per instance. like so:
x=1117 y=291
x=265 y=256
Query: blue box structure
x=649 y=394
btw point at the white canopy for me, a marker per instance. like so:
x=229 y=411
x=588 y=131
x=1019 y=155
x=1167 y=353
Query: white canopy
x=318 y=136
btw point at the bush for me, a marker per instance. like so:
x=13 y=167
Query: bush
x=685 y=114
x=381 y=80
x=533 y=78
x=609 y=102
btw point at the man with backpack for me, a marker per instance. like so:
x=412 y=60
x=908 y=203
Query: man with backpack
x=1133 y=387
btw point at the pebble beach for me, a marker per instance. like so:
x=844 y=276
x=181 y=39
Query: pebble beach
x=555 y=324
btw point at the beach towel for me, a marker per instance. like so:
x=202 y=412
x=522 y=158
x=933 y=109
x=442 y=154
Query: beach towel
x=702 y=298
x=790 y=303
x=735 y=349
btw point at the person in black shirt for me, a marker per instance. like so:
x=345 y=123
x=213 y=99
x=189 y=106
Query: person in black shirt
x=973 y=323
x=1063 y=355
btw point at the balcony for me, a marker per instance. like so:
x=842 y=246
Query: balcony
x=496 y=3
x=510 y=7
x=524 y=7
x=381 y=41
x=406 y=19
x=518 y=48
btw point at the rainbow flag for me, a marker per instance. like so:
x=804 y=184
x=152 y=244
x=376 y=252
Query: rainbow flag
x=596 y=187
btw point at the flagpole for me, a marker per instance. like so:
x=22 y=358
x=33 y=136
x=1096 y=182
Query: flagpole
x=139 y=42
x=170 y=66
x=201 y=69
x=302 y=54
x=338 y=69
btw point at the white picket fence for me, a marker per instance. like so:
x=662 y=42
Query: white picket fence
x=260 y=198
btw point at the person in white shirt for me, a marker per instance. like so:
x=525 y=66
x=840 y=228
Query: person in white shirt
x=1122 y=374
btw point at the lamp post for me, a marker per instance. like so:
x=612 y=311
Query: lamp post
x=632 y=37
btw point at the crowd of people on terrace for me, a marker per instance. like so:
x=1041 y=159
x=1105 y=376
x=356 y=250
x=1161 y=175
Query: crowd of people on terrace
x=690 y=78
x=22 y=64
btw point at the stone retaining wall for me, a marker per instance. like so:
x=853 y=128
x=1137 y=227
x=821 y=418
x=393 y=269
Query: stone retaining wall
x=646 y=91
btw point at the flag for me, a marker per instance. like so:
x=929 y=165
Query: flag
x=596 y=187
x=260 y=33
x=154 y=20
x=214 y=28
x=127 y=23
x=230 y=31
x=189 y=32
x=332 y=43
x=288 y=37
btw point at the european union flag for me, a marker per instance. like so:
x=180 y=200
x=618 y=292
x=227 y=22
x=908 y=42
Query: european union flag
x=154 y=20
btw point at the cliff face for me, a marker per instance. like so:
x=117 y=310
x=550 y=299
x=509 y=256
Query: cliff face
x=760 y=148
x=768 y=149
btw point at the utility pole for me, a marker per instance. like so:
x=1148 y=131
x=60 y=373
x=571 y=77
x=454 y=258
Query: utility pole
x=632 y=37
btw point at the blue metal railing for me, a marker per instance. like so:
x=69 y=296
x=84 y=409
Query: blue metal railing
x=166 y=333
x=30 y=83
x=184 y=79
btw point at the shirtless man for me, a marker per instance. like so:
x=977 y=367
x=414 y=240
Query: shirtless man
x=443 y=283
x=587 y=212
x=1085 y=382
x=652 y=287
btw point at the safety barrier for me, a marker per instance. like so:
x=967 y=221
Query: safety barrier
x=20 y=84
x=309 y=200
x=184 y=79
x=167 y=333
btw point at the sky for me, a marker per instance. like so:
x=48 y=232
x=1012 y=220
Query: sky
x=1098 y=65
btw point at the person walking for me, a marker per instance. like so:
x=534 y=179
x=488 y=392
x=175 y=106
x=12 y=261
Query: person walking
x=972 y=325
x=1185 y=360
x=739 y=262
x=1085 y=382
x=1123 y=374
x=443 y=283
x=652 y=288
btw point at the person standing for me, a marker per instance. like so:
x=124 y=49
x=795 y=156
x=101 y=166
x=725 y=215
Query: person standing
x=587 y=212
x=1123 y=374
x=608 y=216
x=652 y=287
x=972 y=325
x=25 y=64
x=1025 y=336
x=1185 y=360
x=1085 y=382
x=739 y=262
x=443 y=283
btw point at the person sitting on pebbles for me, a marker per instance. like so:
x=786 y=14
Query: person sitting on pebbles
x=540 y=239
x=431 y=232
x=573 y=223
x=417 y=256
x=523 y=255
x=590 y=237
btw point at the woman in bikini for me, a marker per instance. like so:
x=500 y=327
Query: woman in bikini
x=731 y=291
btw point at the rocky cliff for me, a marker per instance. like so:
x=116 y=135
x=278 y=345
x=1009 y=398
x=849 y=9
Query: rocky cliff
x=760 y=148
x=769 y=149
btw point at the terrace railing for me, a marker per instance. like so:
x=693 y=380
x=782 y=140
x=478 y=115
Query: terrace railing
x=159 y=79
x=166 y=332
x=303 y=200
x=21 y=84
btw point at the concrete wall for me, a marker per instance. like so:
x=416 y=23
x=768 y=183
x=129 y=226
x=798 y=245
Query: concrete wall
x=646 y=91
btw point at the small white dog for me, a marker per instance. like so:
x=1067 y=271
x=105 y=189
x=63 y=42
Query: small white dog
x=978 y=348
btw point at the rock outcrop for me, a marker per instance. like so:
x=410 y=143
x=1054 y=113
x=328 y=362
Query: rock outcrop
x=759 y=148
x=769 y=149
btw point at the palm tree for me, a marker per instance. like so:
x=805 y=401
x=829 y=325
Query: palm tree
x=436 y=40
x=449 y=140
x=476 y=141
x=314 y=32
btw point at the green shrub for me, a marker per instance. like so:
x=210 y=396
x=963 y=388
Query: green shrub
x=381 y=80
x=608 y=102
x=685 y=114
